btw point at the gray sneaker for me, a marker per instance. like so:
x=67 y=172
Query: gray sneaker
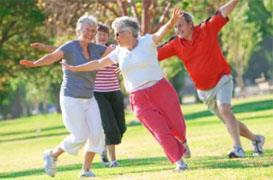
x=187 y=153
x=258 y=145
x=114 y=164
x=84 y=173
x=49 y=163
x=238 y=152
x=181 y=167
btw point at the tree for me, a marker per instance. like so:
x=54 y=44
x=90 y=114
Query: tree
x=21 y=22
x=240 y=37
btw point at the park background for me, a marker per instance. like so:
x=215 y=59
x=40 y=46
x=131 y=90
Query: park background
x=29 y=110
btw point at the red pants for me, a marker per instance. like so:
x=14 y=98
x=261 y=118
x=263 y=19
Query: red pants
x=158 y=109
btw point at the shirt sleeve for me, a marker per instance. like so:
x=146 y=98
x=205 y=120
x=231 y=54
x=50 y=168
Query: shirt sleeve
x=66 y=49
x=101 y=49
x=215 y=23
x=113 y=56
x=166 y=50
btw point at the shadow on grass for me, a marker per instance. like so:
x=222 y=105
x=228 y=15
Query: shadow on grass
x=31 y=131
x=240 y=108
x=97 y=165
x=156 y=164
x=44 y=132
x=33 y=137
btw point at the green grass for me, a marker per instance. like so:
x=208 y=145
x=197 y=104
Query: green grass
x=22 y=142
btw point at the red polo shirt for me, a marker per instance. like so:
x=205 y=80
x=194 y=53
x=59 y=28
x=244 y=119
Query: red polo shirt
x=202 y=56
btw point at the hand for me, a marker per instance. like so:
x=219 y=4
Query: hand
x=66 y=66
x=176 y=15
x=37 y=45
x=27 y=63
x=108 y=50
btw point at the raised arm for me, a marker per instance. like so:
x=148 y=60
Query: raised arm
x=227 y=8
x=159 y=35
x=43 y=61
x=43 y=47
x=90 y=66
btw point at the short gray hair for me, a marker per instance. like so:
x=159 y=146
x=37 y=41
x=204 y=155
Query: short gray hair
x=86 y=19
x=126 y=22
x=188 y=17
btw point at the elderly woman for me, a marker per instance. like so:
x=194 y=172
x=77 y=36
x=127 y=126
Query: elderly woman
x=110 y=100
x=152 y=97
x=109 y=97
x=80 y=110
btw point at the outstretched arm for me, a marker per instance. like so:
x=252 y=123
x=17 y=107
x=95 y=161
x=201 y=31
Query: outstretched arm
x=90 y=66
x=159 y=35
x=43 y=47
x=227 y=8
x=45 y=60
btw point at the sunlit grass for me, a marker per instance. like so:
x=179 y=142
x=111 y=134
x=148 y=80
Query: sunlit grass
x=22 y=142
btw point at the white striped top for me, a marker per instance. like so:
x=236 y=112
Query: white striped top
x=107 y=79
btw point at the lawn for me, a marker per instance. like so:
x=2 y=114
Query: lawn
x=23 y=141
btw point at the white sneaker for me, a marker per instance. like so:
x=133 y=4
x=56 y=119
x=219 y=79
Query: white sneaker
x=238 y=152
x=114 y=164
x=258 y=145
x=49 y=163
x=187 y=153
x=181 y=167
x=84 y=173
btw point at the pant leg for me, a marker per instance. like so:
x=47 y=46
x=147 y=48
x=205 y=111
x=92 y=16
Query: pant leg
x=118 y=110
x=96 y=137
x=170 y=106
x=74 y=121
x=157 y=124
x=109 y=122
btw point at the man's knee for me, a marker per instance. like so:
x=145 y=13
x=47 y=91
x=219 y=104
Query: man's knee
x=225 y=110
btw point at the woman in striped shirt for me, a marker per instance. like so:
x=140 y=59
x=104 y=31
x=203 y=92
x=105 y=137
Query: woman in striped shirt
x=110 y=100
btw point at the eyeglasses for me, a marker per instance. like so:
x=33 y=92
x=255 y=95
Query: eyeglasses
x=118 y=33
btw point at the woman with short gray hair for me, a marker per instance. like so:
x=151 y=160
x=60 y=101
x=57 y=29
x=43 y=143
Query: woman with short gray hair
x=153 y=99
x=128 y=23
x=80 y=110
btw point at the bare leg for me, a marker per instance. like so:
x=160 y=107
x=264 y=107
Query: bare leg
x=88 y=159
x=231 y=123
x=112 y=152
x=57 y=152
x=244 y=131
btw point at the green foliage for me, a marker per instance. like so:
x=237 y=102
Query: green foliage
x=21 y=23
x=240 y=37
x=261 y=16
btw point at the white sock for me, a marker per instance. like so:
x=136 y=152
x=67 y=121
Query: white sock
x=179 y=163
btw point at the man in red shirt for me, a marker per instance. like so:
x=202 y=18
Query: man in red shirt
x=198 y=48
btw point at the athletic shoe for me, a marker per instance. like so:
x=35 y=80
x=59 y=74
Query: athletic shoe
x=114 y=164
x=49 y=163
x=181 y=167
x=104 y=158
x=238 y=152
x=187 y=153
x=84 y=173
x=258 y=145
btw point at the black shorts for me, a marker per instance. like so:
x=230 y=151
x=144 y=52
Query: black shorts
x=112 y=115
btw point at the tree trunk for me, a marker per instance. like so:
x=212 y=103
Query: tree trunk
x=16 y=106
x=239 y=78
x=145 y=18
